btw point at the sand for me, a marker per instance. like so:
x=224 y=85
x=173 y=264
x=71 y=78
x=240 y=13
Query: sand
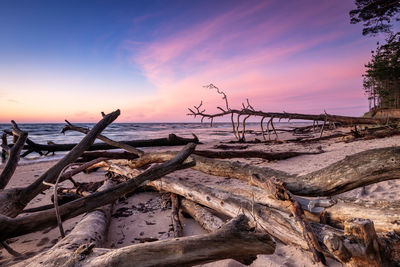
x=145 y=216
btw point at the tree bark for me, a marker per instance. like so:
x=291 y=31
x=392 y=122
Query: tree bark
x=345 y=120
x=92 y=229
x=176 y=222
x=252 y=154
x=334 y=212
x=103 y=138
x=11 y=227
x=171 y=140
x=357 y=170
x=14 y=200
x=206 y=219
x=13 y=157
x=282 y=226
x=233 y=240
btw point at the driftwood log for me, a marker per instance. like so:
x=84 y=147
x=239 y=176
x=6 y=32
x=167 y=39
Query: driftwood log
x=176 y=222
x=205 y=218
x=332 y=211
x=11 y=227
x=347 y=247
x=90 y=232
x=234 y=240
x=14 y=154
x=248 y=110
x=357 y=170
x=282 y=226
x=14 y=200
x=171 y=140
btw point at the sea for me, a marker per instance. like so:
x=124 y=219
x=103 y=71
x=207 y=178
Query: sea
x=51 y=132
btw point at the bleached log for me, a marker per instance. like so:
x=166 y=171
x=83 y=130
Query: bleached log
x=92 y=229
x=279 y=224
x=14 y=200
x=206 y=219
x=357 y=170
x=13 y=157
x=234 y=240
x=11 y=227
x=385 y=214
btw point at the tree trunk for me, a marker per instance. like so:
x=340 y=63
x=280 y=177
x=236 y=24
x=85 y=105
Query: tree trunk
x=206 y=219
x=357 y=170
x=233 y=240
x=176 y=222
x=14 y=200
x=171 y=140
x=13 y=158
x=282 y=226
x=92 y=229
x=11 y=227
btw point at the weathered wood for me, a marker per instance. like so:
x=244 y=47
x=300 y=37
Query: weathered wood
x=364 y=248
x=279 y=224
x=13 y=156
x=171 y=140
x=206 y=219
x=92 y=228
x=385 y=214
x=233 y=240
x=11 y=227
x=176 y=222
x=91 y=155
x=357 y=170
x=344 y=120
x=131 y=149
x=14 y=200
x=252 y=154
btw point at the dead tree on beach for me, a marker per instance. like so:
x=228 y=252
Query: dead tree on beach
x=247 y=111
x=275 y=204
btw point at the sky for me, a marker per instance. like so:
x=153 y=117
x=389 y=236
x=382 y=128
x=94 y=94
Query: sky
x=151 y=59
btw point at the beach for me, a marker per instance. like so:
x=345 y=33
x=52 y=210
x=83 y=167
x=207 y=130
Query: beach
x=146 y=216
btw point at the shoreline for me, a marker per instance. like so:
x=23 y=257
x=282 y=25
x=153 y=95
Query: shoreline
x=143 y=215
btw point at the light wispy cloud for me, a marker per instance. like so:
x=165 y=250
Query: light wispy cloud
x=252 y=53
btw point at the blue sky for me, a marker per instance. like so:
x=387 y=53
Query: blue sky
x=73 y=59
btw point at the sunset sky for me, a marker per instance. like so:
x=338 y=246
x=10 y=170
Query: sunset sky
x=73 y=59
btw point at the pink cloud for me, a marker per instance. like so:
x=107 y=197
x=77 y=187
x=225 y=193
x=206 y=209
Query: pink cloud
x=265 y=61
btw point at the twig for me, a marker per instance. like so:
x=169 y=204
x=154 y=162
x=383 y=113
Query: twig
x=10 y=249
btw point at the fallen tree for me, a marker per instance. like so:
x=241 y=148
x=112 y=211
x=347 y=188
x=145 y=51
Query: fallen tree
x=14 y=200
x=315 y=225
x=248 y=111
x=171 y=140
x=351 y=247
x=357 y=170
x=11 y=227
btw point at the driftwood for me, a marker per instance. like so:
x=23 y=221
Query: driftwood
x=234 y=240
x=252 y=154
x=127 y=147
x=14 y=154
x=11 y=227
x=248 y=110
x=334 y=212
x=282 y=226
x=357 y=170
x=171 y=140
x=176 y=222
x=14 y=200
x=92 y=155
x=206 y=219
x=90 y=232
